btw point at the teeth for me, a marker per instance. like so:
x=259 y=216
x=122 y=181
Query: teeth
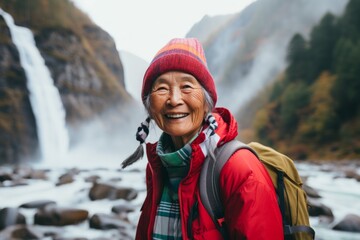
x=176 y=115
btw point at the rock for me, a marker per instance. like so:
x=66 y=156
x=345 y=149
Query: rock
x=317 y=209
x=350 y=223
x=18 y=232
x=102 y=191
x=92 y=178
x=65 y=179
x=351 y=173
x=52 y=215
x=5 y=176
x=311 y=192
x=38 y=174
x=23 y=171
x=10 y=216
x=37 y=204
x=122 y=208
x=15 y=183
x=105 y=221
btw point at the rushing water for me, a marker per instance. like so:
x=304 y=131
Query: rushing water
x=342 y=195
x=44 y=96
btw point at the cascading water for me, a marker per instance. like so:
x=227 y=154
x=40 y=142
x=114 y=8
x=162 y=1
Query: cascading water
x=44 y=96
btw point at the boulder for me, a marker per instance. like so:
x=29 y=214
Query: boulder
x=317 y=209
x=18 y=232
x=122 y=208
x=52 y=215
x=37 y=204
x=311 y=192
x=10 y=216
x=350 y=223
x=106 y=221
x=103 y=191
x=65 y=179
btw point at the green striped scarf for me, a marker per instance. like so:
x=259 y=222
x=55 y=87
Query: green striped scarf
x=168 y=222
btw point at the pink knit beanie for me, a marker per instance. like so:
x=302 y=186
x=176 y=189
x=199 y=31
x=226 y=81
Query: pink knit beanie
x=184 y=55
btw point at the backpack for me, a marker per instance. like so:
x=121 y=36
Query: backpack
x=284 y=175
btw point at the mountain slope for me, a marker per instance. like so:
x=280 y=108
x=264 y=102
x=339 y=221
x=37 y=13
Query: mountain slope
x=313 y=109
x=83 y=61
x=249 y=51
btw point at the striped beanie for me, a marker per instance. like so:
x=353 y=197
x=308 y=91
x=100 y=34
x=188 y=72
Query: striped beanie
x=184 y=55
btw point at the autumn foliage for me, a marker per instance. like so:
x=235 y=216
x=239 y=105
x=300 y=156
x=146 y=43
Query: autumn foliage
x=313 y=110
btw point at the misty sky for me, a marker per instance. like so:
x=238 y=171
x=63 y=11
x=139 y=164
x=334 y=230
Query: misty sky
x=142 y=27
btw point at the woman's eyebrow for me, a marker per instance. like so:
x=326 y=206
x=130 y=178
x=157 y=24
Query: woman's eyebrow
x=189 y=79
x=160 y=80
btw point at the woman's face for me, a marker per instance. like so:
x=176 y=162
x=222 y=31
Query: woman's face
x=177 y=104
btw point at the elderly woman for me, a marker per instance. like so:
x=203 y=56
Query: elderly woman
x=179 y=94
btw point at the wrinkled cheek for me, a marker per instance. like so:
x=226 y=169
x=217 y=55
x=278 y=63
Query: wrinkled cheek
x=159 y=121
x=198 y=117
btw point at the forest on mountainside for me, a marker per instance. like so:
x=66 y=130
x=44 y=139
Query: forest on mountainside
x=312 y=110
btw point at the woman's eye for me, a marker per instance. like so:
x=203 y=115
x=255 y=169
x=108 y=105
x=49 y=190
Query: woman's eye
x=161 y=90
x=187 y=87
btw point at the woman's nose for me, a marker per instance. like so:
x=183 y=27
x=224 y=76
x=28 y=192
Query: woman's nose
x=175 y=97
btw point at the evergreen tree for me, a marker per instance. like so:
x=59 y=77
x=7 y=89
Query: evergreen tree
x=322 y=42
x=347 y=86
x=350 y=22
x=297 y=59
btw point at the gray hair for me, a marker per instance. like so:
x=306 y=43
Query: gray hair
x=139 y=152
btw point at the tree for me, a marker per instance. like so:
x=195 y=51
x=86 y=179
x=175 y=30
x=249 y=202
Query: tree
x=347 y=85
x=322 y=43
x=297 y=58
x=294 y=98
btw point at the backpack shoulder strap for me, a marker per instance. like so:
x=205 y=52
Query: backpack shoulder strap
x=209 y=179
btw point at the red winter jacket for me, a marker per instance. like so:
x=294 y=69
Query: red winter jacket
x=248 y=195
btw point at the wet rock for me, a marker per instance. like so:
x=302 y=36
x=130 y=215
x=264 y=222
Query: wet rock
x=21 y=232
x=106 y=221
x=92 y=178
x=23 y=171
x=52 y=215
x=317 y=209
x=102 y=191
x=311 y=192
x=122 y=208
x=37 y=204
x=5 y=176
x=65 y=179
x=10 y=216
x=352 y=174
x=74 y=171
x=350 y=223
x=15 y=183
x=38 y=174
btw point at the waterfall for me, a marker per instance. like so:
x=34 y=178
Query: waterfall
x=44 y=96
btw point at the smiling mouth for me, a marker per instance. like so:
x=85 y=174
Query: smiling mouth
x=176 y=116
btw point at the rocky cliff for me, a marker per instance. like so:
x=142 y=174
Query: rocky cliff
x=82 y=59
x=18 y=136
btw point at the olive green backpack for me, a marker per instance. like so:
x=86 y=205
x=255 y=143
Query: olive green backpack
x=284 y=175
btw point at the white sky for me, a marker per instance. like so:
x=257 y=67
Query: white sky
x=142 y=27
